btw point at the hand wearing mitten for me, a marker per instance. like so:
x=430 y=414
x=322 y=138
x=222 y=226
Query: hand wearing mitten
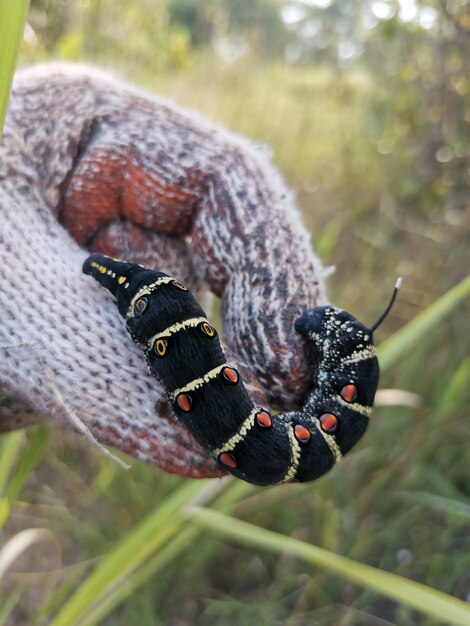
x=87 y=163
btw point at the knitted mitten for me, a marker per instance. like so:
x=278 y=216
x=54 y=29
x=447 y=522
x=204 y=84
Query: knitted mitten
x=88 y=163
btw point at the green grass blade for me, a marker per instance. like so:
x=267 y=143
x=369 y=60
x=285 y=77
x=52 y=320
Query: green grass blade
x=230 y=494
x=10 y=446
x=29 y=458
x=131 y=553
x=401 y=341
x=71 y=580
x=167 y=553
x=440 y=503
x=429 y=601
x=9 y=605
x=12 y=18
x=456 y=392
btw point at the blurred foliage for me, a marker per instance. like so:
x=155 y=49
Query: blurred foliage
x=12 y=18
x=364 y=108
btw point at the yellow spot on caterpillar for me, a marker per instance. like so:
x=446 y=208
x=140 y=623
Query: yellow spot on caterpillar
x=121 y=279
x=146 y=290
x=177 y=283
x=102 y=269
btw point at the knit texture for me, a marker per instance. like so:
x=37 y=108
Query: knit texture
x=89 y=163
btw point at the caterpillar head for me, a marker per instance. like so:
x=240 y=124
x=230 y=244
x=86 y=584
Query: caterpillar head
x=343 y=344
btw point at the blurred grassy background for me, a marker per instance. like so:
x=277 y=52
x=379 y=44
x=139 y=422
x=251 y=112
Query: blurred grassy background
x=363 y=107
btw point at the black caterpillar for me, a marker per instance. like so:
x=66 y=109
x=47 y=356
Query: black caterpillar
x=208 y=397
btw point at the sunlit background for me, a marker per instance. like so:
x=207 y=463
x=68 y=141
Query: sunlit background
x=362 y=106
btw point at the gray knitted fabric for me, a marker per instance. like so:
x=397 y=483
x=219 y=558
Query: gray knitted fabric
x=87 y=162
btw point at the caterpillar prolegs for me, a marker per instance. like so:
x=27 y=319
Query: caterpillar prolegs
x=209 y=398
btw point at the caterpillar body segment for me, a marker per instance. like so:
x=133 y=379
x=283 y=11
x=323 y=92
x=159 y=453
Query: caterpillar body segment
x=209 y=398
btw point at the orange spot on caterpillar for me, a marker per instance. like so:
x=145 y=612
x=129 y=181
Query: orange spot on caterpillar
x=329 y=422
x=349 y=393
x=228 y=460
x=263 y=419
x=302 y=434
x=184 y=402
x=230 y=375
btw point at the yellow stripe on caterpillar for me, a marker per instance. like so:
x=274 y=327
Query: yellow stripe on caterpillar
x=295 y=456
x=175 y=328
x=362 y=409
x=239 y=436
x=331 y=443
x=198 y=382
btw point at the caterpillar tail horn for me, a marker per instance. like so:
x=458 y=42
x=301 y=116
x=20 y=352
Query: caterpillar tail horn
x=388 y=308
